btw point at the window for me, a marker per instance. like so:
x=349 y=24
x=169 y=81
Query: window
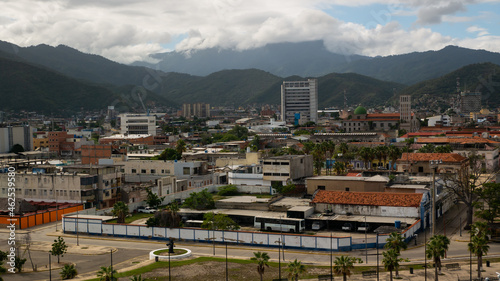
x=153 y=171
x=186 y=171
x=347 y=189
x=321 y=187
x=420 y=169
x=143 y=171
x=134 y=171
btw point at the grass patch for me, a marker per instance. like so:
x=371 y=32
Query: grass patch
x=133 y=217
x=165 y=251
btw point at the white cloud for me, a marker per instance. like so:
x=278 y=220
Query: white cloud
x=129 y=30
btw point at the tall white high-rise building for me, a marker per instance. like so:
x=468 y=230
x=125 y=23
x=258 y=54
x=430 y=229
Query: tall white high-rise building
x=299 y=101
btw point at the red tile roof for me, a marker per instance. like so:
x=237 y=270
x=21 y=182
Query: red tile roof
x=368 y=198
x=426 y=157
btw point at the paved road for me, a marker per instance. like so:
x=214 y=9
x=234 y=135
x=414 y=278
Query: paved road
x=129 y=251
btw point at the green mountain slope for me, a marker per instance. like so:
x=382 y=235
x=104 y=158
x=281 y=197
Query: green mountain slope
x=439 y=92
x=27 y=87
x=252 y=86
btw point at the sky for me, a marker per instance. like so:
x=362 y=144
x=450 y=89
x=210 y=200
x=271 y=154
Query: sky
x=130 y=30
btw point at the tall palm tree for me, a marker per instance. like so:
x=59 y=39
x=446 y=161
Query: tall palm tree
x=262 y=259
x=381 y=153
x=366 y=154
x=295 y=268
x=479 y=243
x=391 y=260
x=393 y=154
x=438 y=245
x=137 y=278
x=120 y=210
x=343 y=265
x=397 y=243
x=106 y=274
x=318 y=159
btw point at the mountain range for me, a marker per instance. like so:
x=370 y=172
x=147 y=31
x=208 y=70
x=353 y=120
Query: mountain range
x=48 y=79
x=312 y=59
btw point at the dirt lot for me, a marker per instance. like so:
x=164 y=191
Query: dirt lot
x=215 y=271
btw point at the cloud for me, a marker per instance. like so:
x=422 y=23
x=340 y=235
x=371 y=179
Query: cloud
x=479 y=30
x=129 y=30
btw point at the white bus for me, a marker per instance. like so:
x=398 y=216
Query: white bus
x=280 y=224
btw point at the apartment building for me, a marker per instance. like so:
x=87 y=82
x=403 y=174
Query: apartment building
x=12 y=135
x=299 y=101
x=282 y=169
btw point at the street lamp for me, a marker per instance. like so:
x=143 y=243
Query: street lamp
x=433 y=164
x=366 y=242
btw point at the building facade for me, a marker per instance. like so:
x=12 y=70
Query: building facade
x=299 y=101
x=12 y=135
x=470 y=102
x=200 y=110
x=137 y=124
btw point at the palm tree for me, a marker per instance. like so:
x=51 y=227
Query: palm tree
x=120 y=210
x=393 y=153
x=106 y=274
x=381 y=153
x=366 y=154
x=262 y=259
x=338 y=167
x=397 y=243
x=318 y=158
x=295 y=268
x=180 y=147
x=391 y=261
x=68 y=272
x=479 y=243
x=438 y=245
x=343 y=265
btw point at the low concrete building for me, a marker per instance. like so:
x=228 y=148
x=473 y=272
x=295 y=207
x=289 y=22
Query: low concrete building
x=351 y=184
x=287 y=168
x=369 y=203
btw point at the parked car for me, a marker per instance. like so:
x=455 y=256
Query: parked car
x=147 y=210
x=347 y=227
x=364 y=227
x=317 y=225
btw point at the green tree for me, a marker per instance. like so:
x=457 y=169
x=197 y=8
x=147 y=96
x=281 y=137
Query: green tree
x=488 y=204
x=107 y=274
x=68 y=272
x=262 y=259
x=391 y=261
x=428 y=148
x=339 y=167
x=283 y=189
x=165 y=218
x=436 y=249
x=153 y=200
x=397 y=243
x=479 y=243
x=137 y=278
x=318 y=159
x=202 y=200
x=295 y=268
x=443 y=149
x=239 y=132
x=381 y=153
x=343 y=265
x=19 y=263
x=3 y=256
x=308 y=147
x=228 y=190
x=16 y=148
x=120 y=210
x=255 y=143
x=394 y=154
x=180 y=147
x=59 y=248
x=168 y=154
x=219 y=221
x=366 y=154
